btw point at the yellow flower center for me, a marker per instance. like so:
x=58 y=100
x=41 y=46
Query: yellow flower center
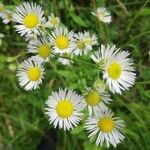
x=93 y=98
x=53 y=21
x=34 y=73
x=64 y=108
x=9 y=15
x=101 y=15
x=88 y=40
x=80 y=44
x=44 y=50
x=31 y=20
x=114 y=70
x=106 y=124
x=1 y=8
x=62 y=42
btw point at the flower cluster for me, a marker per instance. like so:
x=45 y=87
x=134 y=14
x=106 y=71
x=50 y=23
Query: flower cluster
x=47 y=37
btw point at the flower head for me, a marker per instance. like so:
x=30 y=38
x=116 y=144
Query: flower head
x=30 y=73
x=106 y=128
x=53 y=21
x=41 y=47
x=7 y=16
x=29 y=17
x=96 y=100
x=84 y=42
x=102 y=14
x=119 y=72
x=64 y=109
x=62 y=40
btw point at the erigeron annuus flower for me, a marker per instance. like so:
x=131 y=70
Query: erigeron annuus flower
x=96 y=100
x=30 y=73
x=106 y=128
x=119 y=72
x=29 y=17
x=104 y=53
x=80 y=45
x=64 y=109
x=62 y=40
x=53 y=21
x=90 y=39
x=102 y=14
x=7 y=16
x=41 y=47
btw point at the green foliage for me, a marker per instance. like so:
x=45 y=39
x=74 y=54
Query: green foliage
x=22 y=119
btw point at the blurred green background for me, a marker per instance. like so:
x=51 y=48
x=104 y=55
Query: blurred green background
x=22 y=120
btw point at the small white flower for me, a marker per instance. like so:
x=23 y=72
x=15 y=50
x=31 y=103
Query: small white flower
x=7 y=16
x=29 y=17
x=102 y=14
x=90 y=39
x=30 y=73
x=64 y=109
x=106 y=128
x=104 y=53
x=82 y=47
x=96 y=100
x=119 y=72
x=41 y=47
x=62 y=40
x=53 y=21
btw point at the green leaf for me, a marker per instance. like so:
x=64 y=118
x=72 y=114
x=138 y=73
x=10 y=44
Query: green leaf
x=144 y=12
x=78 y=20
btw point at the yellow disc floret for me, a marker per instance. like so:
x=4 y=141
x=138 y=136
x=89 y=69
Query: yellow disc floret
x=62 y=42
x=34 y=73
x=31 y=20
x=106 y=124
x=44 y=50
x=80 y=44
x=88 y=40
x=64 y=108
x=114 y=70
x=93 y=98
x=54 y=21
x=100 y=15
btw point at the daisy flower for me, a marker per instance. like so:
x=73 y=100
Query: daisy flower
x=90 y=39
x=7 y=16
x=40 y=47
x=119 y=72
x=80 y=45
x=96 y=100
x=30 y=73
x=62 y=40
x=105 y=128
x=64 y=109
x=104 y=53
x=29 y=17
x=52 y=21
x=102 y=14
